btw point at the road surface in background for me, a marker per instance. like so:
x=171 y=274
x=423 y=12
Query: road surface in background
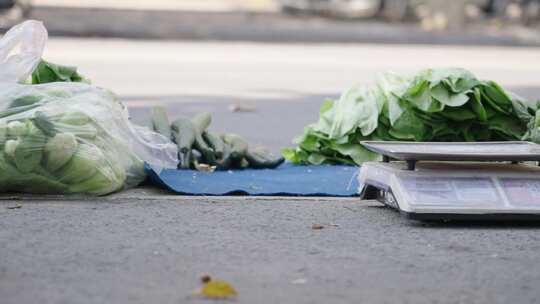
x=139 y=247
x=285 y=82
x=283 y=71
x=192 y=5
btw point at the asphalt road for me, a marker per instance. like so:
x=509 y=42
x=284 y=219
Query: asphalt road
x=138 y=247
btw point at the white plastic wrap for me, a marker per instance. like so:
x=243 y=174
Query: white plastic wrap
x=66 y=137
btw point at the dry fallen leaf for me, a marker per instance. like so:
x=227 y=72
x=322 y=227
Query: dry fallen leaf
x=299 y=281
x=216 y=289
x=317 y=227
x=205 y=168
x=242 y=108
x=205 y=278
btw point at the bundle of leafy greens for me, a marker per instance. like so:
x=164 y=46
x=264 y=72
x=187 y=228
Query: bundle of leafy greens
x=434 y=105
x=47 y=72
x=62 y=137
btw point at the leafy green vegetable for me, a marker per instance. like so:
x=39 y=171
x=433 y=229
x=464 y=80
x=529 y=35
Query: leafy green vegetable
x=10 y=147
x=47 y=72
x=433 y=105
x=103 y=181
x=59 y=150
x=16 y=128
x=29 y=150
x=53 y=138
x=83 y=164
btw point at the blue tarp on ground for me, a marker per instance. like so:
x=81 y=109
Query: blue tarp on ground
x=286 y=180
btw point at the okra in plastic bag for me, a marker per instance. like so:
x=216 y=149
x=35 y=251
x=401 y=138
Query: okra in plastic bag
x=66 y=137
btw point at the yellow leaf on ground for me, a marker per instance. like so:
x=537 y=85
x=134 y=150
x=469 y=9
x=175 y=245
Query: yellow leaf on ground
x=217 y=289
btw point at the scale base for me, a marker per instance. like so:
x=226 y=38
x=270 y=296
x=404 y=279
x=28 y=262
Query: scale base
x=439 y=191
x=387 y=198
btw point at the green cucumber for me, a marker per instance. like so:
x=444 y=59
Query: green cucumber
x=185 y=160
x=183 y=134
x=202 y=121
x=215 y=142
x=208 y=155
x=240 y=163
x=239 y=146
x=259 y=158
x=224 y=163
x=160 y=121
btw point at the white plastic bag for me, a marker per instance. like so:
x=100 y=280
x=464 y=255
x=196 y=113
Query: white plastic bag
x=66 y=137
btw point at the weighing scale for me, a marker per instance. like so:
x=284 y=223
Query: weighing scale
x=455 y=181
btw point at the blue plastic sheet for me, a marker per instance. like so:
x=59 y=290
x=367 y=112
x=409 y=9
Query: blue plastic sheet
x=286 y=180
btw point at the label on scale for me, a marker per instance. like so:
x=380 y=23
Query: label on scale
x=522 y=192
x=451 y=191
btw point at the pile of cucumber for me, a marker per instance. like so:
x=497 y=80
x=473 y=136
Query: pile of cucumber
x=200 y=149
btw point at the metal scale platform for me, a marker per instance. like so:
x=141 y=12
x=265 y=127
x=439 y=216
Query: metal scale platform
x=455 y=181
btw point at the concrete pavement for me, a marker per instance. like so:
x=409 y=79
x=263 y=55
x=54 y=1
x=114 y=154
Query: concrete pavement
x=128 y=250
